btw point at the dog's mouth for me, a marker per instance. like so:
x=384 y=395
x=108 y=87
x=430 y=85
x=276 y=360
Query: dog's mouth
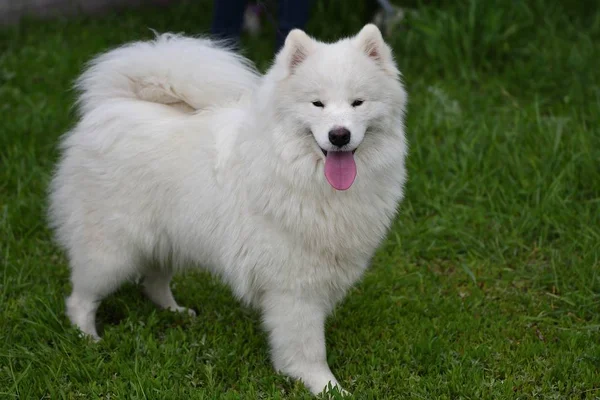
x=325 y=151
x=340 y=168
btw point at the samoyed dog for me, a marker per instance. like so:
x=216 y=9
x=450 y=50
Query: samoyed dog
x=283 y=185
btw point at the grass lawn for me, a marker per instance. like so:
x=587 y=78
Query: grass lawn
x=488 y=285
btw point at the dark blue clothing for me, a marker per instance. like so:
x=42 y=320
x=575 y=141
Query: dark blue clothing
x=229 y=16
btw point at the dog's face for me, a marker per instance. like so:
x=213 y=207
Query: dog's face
x=345 y=96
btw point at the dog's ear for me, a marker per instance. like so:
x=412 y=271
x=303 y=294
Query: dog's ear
x=370 y=41
x=298 y=45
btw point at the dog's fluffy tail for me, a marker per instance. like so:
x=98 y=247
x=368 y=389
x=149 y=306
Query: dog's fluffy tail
x=171 y=70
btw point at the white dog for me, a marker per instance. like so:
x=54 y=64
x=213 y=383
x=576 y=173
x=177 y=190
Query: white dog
x=283 y=184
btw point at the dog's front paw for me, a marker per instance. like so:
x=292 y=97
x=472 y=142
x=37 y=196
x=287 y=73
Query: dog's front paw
x=184 y=310
x=328 y=389
x=334 y=391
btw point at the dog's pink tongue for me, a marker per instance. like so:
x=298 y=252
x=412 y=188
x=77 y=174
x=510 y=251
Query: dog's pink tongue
x=340 y=169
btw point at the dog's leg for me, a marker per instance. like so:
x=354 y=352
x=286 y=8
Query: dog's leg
x=94 y=276
x=296 y=327
x=156 y=287
x=81 y=310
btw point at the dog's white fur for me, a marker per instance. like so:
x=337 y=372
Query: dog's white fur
x=184 y=155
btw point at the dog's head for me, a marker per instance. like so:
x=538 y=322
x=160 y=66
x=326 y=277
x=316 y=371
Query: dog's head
x=341 y=102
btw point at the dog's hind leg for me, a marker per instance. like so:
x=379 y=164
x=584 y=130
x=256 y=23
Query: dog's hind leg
x=94 y=276
x=156 y=287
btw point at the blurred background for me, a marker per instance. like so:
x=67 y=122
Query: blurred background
x=488 y=285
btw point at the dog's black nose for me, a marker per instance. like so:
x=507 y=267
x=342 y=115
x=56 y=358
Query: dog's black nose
x=339 y=137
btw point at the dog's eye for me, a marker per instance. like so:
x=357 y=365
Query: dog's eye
x=357 y=103
x=318 y=104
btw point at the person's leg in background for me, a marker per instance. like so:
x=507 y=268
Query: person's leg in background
x=292 y=14
x=228 y=17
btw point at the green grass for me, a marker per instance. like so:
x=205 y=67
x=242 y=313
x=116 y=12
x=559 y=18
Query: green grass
x=487 y=287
